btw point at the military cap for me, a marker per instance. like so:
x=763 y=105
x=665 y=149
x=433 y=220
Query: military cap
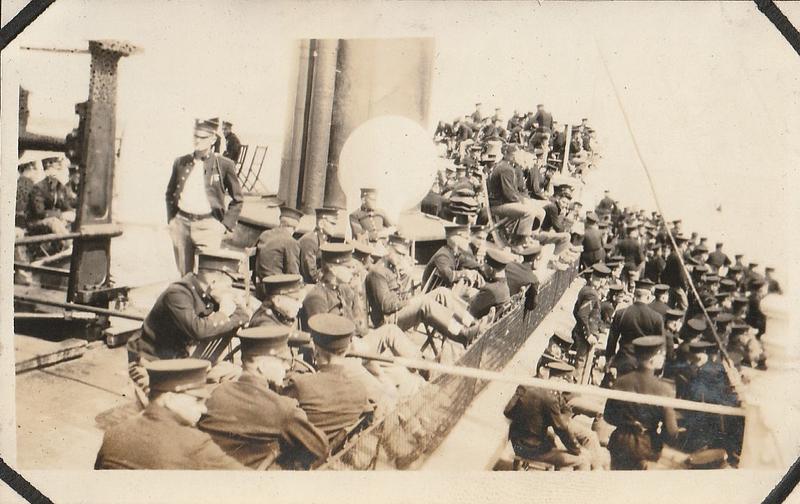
x=616 y=287
x=264 y=340
x=227 y=123
x=694 y=234
x=724 y=318
x=645 y=283
x=361 y=249
x=368 y=190
x=223 y=260
x=563 y=336
x=30 y=165
x=734 y=269
x=186 y=376
x=282 y=284
x=711 y=278
x=326 y=212
x=752 y=265
x=377 y=251
x=336 y=236
x=727 y=285
x=50 y=161
x=700 y=249
x=331 y=332
x=661 y=288
x=699 y=346
x=207 y=125
x=697 y=325
x=738 y=256
x=700 y=269
x=673 y=313
x=647 y=346
x=591 y=217
x=336 y=253
x=601 y=269
x=400 y=244
x=739 y=300
x=477 y=104
x=739 y=328
x=713 y=311
x=677 y=221
x=769 y=269
x=291 y=214
x=757 y=282
x=531 y=251
x=680 y=238
x=559 y=368
x=719 y=244
x=456 y=230
x=497 y=259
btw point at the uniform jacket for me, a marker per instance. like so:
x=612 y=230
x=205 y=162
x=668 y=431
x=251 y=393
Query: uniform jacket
x=654 y=268
x=367 y=223
x=503 y=185
x=593 y=251
x=553 y=219
x=536 y=184
x=531 y=411
x=182 y=316
x=220 y=178
x=673 y=275
x=544 y=119
x=519 y=276
x=158 y=439
x=586 y=312
x=232 y=147
x=491 y=294
x=339 y=300
x=628 y=414
x=332 y=399
x=718 y=259
x=247 y=420
x=634 y=321
x=660 y=307
x=445 y=262
x=278 y=253
x=382 y=293
x=309 y=256
x=24 y=190
x=48 y=199
x=631 y=250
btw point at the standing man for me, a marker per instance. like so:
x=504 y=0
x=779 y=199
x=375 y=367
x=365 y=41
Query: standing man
x=310 y=243
x=477 y=116
x=629 y=324
x=772 y=284
x=636 y=439
x=587 y=314
x=164 y=435
x=370 y=223
x=593 y=251
x=543 y=118
x=277 y=250
x=195 y=197
x=232 y=144
x=250 y=421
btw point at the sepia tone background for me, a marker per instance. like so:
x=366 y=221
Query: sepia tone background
x=711 y=88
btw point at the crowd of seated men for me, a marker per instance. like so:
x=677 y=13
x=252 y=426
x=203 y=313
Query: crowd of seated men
x=46 y=200
x=639 y=327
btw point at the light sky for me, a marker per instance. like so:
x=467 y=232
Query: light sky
x=712 y=89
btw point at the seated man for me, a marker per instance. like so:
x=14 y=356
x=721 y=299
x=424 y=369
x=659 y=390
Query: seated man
x=250 y=421
x=335 y=397
x=507 y=200
x=532 y=411
x=555 y=226
x=438 y=308
x=49 y=208
x=370 y=223
x=195 y=309
x=449 y=261
x=494 y=293
x=310 y=243
x=277 y=250
x=637 y=439
x=26 y=179
x=164 y=435
x=557 y=349
x=521 y=276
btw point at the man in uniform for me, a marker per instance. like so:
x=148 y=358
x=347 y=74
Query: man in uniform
x=673 y=321
x=772 y=284
x=195 y=198
x=49 y=203
x=164 y=435
x=520 y=275
x=718 y=259
x=438 y=308
x=636 y=439
x=606 y=205
x=631 y=249
x=25 y=182
x=370 y=223
x=629 y=324
x=506 y=200
x=660 y=303
x=448 y=261
x=495 y=292
x=593 y=251
x=675 y=276
x=543 y=118
x=477 y=116
x=283 y=299
x=333 y=398
x=557 y=349
x=277 y=250
x=250 y=421
x=311 y=241
x=193 y=310
x=232 y=144
x=555 y=226
x=587 y=314
x=532 y=411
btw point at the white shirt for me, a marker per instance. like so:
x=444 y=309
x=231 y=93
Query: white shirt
x=193 y=197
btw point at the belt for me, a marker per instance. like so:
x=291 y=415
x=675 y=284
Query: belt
x=194 y=217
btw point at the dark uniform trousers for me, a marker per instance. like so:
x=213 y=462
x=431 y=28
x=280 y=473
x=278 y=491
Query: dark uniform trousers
x=250 y=423
x=158 y=439
x=636 y=440
x=332 y=399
